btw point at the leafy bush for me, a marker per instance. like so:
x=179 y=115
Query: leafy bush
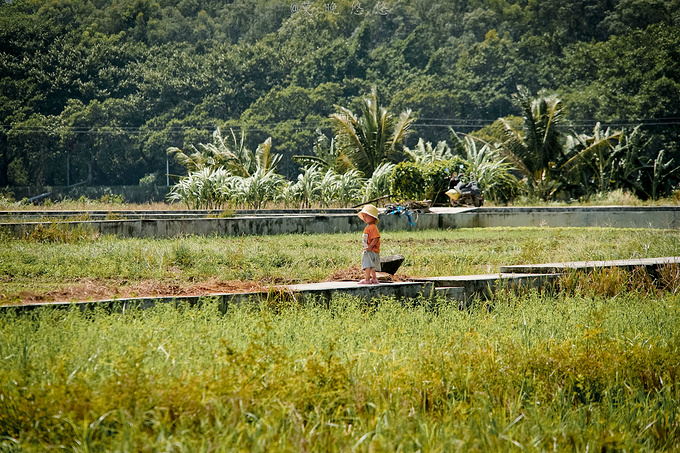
x=111 y=198
x=408 y=182
x=148 y=181
x=437 y=175
x=411 y=181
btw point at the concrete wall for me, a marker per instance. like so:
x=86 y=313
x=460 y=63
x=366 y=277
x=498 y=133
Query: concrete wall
x=661 y=217
x=664 y=217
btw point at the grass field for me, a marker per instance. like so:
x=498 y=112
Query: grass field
x=54 y=259
x=577 y=370
x=592 y=366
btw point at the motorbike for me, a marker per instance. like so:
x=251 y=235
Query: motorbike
x=464 y=193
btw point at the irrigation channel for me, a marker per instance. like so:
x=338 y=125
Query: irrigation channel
x=460 y=289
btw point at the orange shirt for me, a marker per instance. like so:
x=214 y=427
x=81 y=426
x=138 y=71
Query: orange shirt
x=370 y=232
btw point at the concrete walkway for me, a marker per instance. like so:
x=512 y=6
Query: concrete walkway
x=320 y=292
x=650 y=264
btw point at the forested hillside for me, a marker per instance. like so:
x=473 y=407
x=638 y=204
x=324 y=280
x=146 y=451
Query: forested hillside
x=105 y=87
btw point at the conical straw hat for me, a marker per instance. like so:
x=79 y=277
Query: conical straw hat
x=370 y=210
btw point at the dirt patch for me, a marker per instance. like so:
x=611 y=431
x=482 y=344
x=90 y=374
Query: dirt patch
x=92 y=289
x=355 y=274
x=83 y=290
x=349 y=274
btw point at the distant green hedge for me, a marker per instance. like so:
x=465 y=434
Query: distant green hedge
x=411 y=181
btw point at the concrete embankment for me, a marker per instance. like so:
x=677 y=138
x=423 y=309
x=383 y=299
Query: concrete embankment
x=164 y=224
x=661 y=217
x=277 y=296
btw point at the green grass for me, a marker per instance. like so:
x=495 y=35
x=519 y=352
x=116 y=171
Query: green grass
x=572 y=371
x=48 y=260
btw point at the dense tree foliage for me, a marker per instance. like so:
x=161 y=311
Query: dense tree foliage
x=100 y=90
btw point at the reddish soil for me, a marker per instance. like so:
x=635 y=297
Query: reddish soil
x=355 y=274
x=90 y=289
x=93 y=289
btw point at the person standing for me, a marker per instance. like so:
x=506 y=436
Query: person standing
x=370 y=257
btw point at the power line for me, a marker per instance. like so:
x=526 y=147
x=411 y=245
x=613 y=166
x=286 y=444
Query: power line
x=267 y=127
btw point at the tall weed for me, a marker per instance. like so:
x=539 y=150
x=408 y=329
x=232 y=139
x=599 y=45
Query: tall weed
x=59 y=232
x=610 y=282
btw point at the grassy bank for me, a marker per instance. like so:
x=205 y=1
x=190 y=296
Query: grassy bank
x=50 y=261
x=572 y=371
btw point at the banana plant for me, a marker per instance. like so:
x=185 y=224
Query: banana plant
x=596 y=155
x=608 y=160
x=660 y=172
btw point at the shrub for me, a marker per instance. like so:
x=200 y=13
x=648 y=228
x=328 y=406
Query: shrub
x=60 y=233
x=411 y=181
x=437 y=175
x=408 y=182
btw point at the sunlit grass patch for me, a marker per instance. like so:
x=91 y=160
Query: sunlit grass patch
x=297 y=258
x=529 y=371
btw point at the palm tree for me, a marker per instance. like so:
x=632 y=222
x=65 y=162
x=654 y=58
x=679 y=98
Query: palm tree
x=194 y=160
x=326 y=156
x=221 y=172
x=372 y=138
x=265 y=160
x=234 y=156
x=536 y=150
